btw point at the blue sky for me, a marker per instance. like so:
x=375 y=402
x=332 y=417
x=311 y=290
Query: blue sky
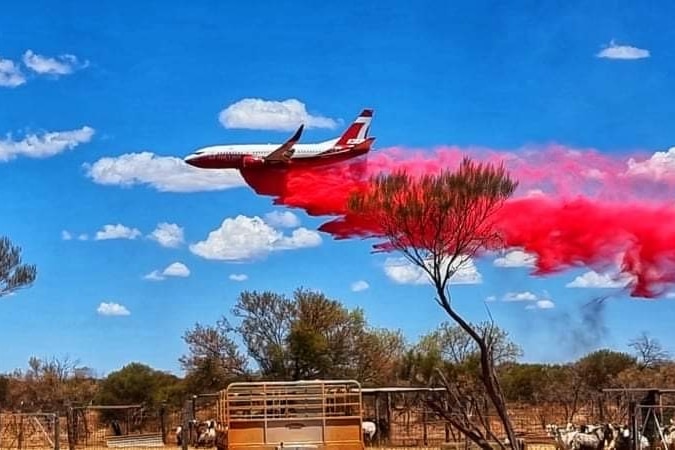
x=97 y=101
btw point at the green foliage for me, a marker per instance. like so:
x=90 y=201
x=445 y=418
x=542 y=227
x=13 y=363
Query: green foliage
x=4 y=391
x=524 y=382
x=451 y=349
x=312 y=336
x=13 y=274
x=136 y=383
x=600 y=368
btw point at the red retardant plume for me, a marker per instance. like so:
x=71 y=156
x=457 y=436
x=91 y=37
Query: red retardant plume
x=572 y=207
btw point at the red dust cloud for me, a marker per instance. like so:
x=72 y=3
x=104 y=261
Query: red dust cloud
x=572 y=207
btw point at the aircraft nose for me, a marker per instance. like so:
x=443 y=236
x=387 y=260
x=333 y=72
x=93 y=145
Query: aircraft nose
x=191 y=159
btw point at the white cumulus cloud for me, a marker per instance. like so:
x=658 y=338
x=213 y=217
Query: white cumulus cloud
x=176 y=269
x=244 y=238
x=259 y=114
x=118 y=231
x=58 y=65
x=43 y=145
x=614 y=51
x=359 y=286
x=659 y=167
x=593 y=279
x=112 y=309
x=10 y=74
x=402 y=271
x=541 y=304
x=238 y=277
x=65 y=235
x=515 y=258
x=168 y=235
x=526 y=296
x=164 y=173
x=284 y=219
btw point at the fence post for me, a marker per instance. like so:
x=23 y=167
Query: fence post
x=70 y=428
x=57 y=432
x=162 y=422
x=20 y=438
x=186 y=424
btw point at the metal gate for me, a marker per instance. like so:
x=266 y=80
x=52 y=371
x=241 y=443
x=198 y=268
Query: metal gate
x=29 y=431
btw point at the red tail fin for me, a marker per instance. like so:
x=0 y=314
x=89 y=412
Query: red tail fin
x=358 y=130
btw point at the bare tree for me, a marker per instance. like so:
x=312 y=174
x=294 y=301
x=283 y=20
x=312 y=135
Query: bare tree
x=13 y=274
x=649 y=351
x=213 y=358
x=438 y=222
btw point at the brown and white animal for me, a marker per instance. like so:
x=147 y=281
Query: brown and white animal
x=179 y=435
x=622 y=439
x=206 y=434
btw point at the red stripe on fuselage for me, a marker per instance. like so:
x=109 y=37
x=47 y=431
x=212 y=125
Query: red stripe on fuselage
x=236 y=161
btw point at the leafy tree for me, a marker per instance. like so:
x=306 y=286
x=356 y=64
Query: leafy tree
x=438 y=222
x=649 y=351
x=213 y=357
x=4 y=391
x=599 y=370
x=378 y=356
x=136 y=383
x=13 y=274
x=323 y=336
x=525 y=383
x=312 y=336
x=266 y=320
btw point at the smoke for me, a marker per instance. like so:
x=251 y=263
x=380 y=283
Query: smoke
x=572 y=207
x=582 y=332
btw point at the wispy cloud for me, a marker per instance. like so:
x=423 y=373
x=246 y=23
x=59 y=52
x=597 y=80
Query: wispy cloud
x=402 y=271
x=614 y=51
x=259 y=114
x=65 y=235
x=10 y=74
x=168 y=235
x=595 y=280
x=164 y=173
x=112 y=309
x=359 y=286
x=118 y=231
x=530 y=299
x=58 y=65
x=541 y=304
x=238 y=277
x=515 y=258
x=43 y=145
x=526 y=296
x=244 y=238
x=285 y=219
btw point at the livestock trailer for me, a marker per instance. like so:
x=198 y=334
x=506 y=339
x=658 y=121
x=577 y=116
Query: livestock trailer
x=318 y=414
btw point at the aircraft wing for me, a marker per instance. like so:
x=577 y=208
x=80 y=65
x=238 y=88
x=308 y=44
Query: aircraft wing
x=284 y=153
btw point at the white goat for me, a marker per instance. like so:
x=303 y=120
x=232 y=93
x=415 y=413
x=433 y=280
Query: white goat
x=369 y=429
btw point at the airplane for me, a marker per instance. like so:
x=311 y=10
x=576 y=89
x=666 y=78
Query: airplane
x=353 y=142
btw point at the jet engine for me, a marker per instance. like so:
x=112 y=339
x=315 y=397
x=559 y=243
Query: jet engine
x=252 y=161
